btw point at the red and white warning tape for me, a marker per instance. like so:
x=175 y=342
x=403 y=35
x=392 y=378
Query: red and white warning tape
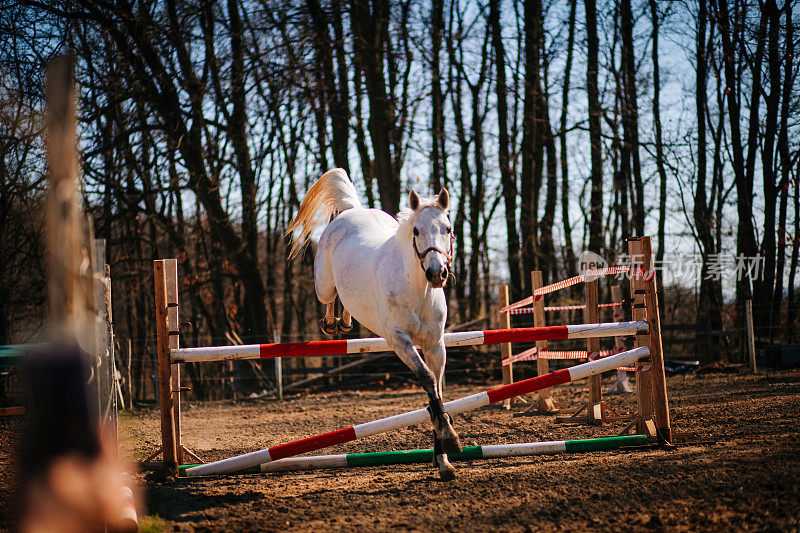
x=563 y=284
x=533 y=353
x=528 y=310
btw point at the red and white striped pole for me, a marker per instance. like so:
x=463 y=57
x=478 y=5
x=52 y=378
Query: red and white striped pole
x=419 y=416
x=352 y=346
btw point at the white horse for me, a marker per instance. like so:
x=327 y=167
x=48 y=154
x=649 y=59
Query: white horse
x=389 y=275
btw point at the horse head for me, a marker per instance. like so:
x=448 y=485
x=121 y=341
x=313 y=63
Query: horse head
x=432 y=236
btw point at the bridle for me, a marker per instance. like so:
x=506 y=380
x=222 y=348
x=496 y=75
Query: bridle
x=421 y=256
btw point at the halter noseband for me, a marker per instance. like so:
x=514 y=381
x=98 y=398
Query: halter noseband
x=421 y=256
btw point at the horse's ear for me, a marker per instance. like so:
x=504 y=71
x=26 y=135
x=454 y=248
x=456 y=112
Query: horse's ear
x=413 y=200
x=444 y=199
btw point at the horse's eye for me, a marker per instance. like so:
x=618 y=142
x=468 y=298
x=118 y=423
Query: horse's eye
x=448 y=230
x=416 y=232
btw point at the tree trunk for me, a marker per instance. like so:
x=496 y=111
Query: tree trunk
x=454 y=85
x=439 y=174
x=791 y=304
x=662 y=173
x=476 y=203
x=630 y=114
x=569 y=250
x=507 y=178
x=709 y=317
x=547 y=249
x=370 y=29
x=340 y=111
x=323 y=87
x=532 y=147
x=367 y=163
x=256 y=317
x=768 y=242
x=786 y=166
x=743 y=170
x=595 y=141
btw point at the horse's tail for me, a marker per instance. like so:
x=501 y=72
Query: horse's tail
x=329 y=196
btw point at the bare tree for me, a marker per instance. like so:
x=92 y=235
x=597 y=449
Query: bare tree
x=532 y=147
x=595 y=133
x=569 y=250
x=506 y=176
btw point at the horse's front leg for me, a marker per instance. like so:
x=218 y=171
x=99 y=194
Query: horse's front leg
x=445 y=438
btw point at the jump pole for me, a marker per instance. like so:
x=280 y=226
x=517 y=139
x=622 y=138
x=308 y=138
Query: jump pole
x=419 y=416
x=355 y=346
x=496 y=451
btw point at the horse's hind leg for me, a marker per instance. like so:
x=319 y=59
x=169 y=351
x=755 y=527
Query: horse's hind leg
x=325 y=287
x=328 y=323
x=344 y=324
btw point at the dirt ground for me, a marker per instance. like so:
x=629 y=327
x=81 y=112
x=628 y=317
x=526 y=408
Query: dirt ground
x=741 y=472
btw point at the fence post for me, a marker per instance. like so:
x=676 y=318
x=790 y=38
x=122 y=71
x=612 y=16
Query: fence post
x=546 y=402
x=278 y=369
x=591 y=315
x=128 y=380
x=164 y=370
x=751 y=338
x=646 y=289
x=505 y=348
x=173 y=325
x=661 y=402
x=644 y=386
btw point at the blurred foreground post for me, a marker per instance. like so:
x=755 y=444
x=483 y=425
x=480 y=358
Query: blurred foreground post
x=68 y=257
x=70 y=480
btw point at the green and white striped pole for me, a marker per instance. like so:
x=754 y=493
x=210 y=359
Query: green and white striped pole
x=469 y=453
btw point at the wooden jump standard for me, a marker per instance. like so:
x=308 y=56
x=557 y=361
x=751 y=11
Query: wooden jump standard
x=496 y=451
x=419 y=416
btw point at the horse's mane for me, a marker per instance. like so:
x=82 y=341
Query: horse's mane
x=406 y=216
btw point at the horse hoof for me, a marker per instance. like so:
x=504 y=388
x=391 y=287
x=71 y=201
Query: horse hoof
x=451 y=445
x=327 y=329
x=450 y=442
x=446 y=470
x=447 y=474
x=342 y=327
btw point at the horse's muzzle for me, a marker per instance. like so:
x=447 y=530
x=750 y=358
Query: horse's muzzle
x=436 y=276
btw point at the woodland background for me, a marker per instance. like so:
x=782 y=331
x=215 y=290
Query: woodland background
x=558 y=127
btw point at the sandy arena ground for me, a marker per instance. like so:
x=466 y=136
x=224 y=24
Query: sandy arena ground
x=741 y=472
